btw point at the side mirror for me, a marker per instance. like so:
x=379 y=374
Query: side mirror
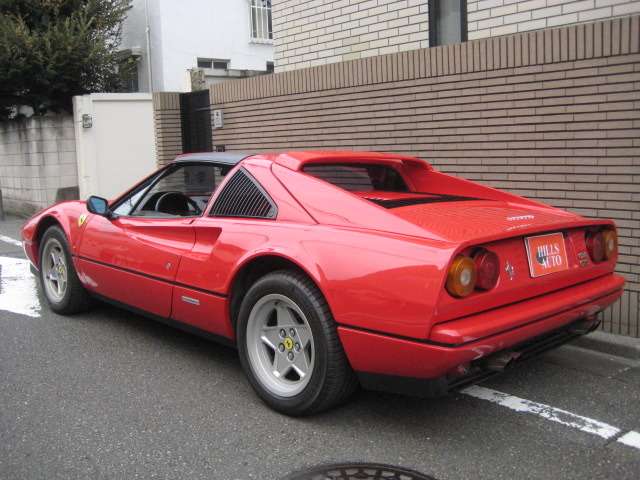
x=99 y=206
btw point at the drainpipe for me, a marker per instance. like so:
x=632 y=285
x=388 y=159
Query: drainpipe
x=148 y=35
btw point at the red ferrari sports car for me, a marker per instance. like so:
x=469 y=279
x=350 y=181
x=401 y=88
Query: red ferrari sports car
x=330 y=270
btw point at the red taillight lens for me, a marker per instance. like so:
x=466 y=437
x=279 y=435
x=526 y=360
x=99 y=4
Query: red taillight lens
x=487 y=269
x=595 y=246
x=610 y=238
x=461 y=279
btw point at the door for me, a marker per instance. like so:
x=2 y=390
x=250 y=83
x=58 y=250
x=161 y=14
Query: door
x=133 y=258
x=195 y=120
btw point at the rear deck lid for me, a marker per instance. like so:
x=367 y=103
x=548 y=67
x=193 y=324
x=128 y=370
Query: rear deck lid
x=459 y=218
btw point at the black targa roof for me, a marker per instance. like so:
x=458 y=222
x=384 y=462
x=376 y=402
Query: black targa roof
x=227 y=158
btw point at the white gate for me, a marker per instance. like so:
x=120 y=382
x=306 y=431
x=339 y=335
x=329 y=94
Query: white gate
x=115 y=142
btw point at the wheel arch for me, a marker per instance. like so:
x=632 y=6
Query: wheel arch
x=42 y=226
x=257 y=267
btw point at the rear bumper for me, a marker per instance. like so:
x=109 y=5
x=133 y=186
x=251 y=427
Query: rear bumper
x=392 y=363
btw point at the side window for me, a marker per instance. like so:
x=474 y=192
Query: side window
x=243 y=197
x=126 y=205
x=183 y=191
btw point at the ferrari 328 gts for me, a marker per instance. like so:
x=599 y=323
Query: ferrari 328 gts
x=333 y=270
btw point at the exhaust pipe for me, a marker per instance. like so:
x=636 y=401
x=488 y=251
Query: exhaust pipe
x=584 y=326
x=501 y=360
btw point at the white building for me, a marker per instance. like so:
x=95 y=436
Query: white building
x=225 y=38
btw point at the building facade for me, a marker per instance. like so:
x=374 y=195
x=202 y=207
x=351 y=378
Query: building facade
x=219 y=39
x=317 y=32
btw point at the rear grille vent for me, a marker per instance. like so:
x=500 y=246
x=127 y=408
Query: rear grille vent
x=243 y=197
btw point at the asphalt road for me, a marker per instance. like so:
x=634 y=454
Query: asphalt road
x=111 y=395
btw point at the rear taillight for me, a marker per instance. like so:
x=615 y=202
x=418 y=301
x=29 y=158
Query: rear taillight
x=596 y=246
x=487 y=269
x=461 y=278
x=610 y=244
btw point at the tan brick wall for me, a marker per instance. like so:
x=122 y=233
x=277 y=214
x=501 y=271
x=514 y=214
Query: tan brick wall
x=168 y=131
x=317 y=32
x=553 y=115
x=491 y=18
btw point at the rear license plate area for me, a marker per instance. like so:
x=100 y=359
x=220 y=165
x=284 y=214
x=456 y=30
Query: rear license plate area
x=546 y=254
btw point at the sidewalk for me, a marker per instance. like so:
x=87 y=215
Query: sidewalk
x=603 y=342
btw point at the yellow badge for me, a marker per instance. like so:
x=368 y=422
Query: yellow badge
x=288 y=343
x=81 y=219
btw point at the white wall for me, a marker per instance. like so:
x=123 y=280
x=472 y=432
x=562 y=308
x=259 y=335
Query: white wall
x=119 y=149
x=182 y=31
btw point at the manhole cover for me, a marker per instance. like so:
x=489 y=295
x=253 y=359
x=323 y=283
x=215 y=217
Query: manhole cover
x=358 y=471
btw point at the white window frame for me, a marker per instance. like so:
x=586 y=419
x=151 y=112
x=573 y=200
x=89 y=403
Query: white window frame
x=260 y=15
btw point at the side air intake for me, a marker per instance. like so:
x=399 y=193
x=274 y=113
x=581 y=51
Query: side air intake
x=243 y=197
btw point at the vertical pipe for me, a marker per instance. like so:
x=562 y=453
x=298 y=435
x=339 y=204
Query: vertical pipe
x=148 y=38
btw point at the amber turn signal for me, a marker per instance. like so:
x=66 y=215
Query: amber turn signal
x=610 y=238
x=461 y=279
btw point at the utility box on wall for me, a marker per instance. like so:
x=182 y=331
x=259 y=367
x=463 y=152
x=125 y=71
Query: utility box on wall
x=115 y=141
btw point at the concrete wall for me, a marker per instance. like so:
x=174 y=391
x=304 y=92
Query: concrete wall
x=318 y=32
x=491 y=18
x=37 y=163
x=553 y=115
x=119 y=148
x=183 y=31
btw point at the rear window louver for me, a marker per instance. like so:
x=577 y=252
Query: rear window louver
x=243 y=197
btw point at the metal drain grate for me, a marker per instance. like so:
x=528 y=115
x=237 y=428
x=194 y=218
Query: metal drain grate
x=358 y=471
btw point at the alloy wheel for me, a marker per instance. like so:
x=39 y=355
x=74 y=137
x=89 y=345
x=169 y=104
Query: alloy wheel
x=280 y=345
x=54 y=270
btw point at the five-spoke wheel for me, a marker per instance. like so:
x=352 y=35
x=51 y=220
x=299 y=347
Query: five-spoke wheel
x=62 y=288
x=289 y=345
x=280 y=344
x=54 y=270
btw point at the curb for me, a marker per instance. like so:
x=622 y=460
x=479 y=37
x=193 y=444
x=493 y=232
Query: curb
x=618 y=345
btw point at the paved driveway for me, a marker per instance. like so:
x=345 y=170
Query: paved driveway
x=113 y=395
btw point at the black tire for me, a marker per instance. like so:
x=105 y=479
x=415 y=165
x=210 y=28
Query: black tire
x=332 y=380
x=75 y=298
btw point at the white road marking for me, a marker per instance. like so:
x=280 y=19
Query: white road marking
x=10 y=241
x=548 y=412
x=632 y=439
x=18 y=293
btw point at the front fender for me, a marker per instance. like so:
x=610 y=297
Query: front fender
x=66 y=215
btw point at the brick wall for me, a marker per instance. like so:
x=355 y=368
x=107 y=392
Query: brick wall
x=553 y=115
x=491 y=18
x=317 y=32
x=168 y=131
x=37 y=163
